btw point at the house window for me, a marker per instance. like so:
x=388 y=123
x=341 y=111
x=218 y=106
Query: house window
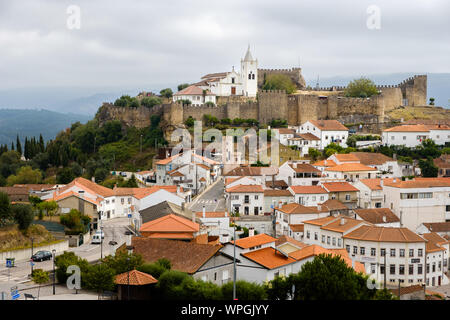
x=256 y=197
x=402 y=252
x=362 y=251
x=323 y=239
x=328 y=239
x=347 y=247
x=307 y=234
x=246 y=199
x=381 y=268
x=404 y=137
x=373 y=252
x=392 y=252
x=428 y=268
x=382 y=252
x=411 y=252
x=339 y=242
x=355 y=250
x=411 y=269
x=334 y=241
x=392 y=269
x=401 y=269
x=347 y=197
x=420 y=252
x=419 y=269
x=372 y=267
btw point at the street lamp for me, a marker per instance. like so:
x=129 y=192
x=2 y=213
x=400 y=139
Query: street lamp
x=128 y=287
x=54 y=274
x=101 y=243
x=234 y=262
x=31 y=262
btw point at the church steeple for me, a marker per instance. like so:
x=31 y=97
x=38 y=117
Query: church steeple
x=248 y=55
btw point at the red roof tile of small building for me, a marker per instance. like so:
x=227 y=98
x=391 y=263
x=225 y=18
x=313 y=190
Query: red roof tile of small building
x=135 y=278
x=339 y=187
x=254 y=241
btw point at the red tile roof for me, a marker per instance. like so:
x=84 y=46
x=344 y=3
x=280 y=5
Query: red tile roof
x=171 y=224
x=295 y=208
x=329 y=125
x=351 y=167
x=193 y=90
x=308 y=189
x=377 y=215
x=383 y=234
x=254 y=241
x=245 y=189
x=269 y=258
x=134 y=278
x=339 y=187
x=419 y=183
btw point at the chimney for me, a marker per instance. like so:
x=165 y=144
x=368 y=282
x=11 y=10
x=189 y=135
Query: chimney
x=384 y=219
x=81 y=194
x=342 y=222
x=225 y=238
x=204 y=212
x=93 y=179
x=226 y=214
x=381 y=183
x=394 y=180
x=251 y=232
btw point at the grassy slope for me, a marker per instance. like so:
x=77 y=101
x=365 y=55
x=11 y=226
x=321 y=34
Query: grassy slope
x=409 y=113
x=11 y=238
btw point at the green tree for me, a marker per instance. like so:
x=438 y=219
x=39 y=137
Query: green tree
x=122 y=261
x=279 y=82
x=361 y=88
x=23 y=215
x=244 y=291
x=5 y=209
x=189 y=122
x=150 y=102
x=314 y=153
x=431 y=101
x=63 y=261
x=50 y=207
x=182 y=86
x=99 y=277
x=278 y=288
x=428 y=168
x=100 y=174
x=25 y=175
x=40 y=277
x=166 y=93
x=65 y=175
x=384 y=294
x=157 y=268
x=328 y=277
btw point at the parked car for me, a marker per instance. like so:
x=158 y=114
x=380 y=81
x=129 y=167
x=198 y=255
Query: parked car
x=41 y=256
x=101 y=233
x=96 y=239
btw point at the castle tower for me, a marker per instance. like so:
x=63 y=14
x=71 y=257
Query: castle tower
x=249 y=75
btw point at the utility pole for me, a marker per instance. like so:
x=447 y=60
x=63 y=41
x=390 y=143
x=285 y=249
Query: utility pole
x=234 y=262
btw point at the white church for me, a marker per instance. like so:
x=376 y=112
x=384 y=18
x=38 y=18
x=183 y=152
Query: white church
x=224 y=84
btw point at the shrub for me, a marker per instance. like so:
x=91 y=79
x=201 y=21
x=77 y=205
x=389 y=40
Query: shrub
x=23 y=215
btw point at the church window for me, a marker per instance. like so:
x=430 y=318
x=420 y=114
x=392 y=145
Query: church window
x=249 y=76
x=253 y=77
x=232 y=80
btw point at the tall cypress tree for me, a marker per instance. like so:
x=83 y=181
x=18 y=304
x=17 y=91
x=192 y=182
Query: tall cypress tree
x=12 y=146
x=41 y=143
x=26 y=149
x=18 y=145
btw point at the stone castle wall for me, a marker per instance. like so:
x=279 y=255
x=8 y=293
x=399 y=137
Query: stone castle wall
x=276 y=104
x=294 y=73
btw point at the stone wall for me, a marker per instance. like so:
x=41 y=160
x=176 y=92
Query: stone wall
x=272 y=104
x=137 y=117
x=294 y=73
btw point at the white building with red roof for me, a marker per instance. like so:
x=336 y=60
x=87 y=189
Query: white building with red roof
x=414 y=134
x=327 y=130
x=245 y=199
x=196 y=95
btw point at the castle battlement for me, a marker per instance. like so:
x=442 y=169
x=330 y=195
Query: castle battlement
x=271 y=91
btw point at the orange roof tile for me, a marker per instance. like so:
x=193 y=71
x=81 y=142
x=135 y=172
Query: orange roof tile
x=329 y=163
x=342 y=224
x=339 y=187
x=372 y=184
x=209 y=214
x=254 y=241
x=409 y=128
x=295 y=208
x=134 y=278
x=88 y=186
x=350 y=167
x=170 y=223
x=308 y=189
x=346 y=157
x=383 y=234
x=320 y=221
x=269 y=258
x=168 y=160
x=419 y=183
x=377 y=215
x=329 y=125
x=245 y=189
x=297 y=227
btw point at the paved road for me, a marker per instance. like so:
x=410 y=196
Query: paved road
x=114 y=230
x=213 y=199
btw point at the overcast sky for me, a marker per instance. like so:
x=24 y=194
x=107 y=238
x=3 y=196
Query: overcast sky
x=146 y=43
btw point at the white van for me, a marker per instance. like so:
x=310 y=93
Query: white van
x=96 y=239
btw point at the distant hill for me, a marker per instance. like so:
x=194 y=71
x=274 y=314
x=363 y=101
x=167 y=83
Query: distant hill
x=29 y=123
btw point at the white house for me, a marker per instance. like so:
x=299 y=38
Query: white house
x=437 y=250
x=283 y=134
x=388 y=167
x=414 y=134
x=370 y=193
x=196 y=95
x=245 y=199
x=259 y=174
x=295 y=214
x=276 y=198
x=398 y=252
x=351 y=172
x=309 y=195
x=418 y=201
x=327 y=130
x=303 y=142
x=298 y=173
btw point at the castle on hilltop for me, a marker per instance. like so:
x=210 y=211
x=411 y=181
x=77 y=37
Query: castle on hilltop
x=239 y=95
